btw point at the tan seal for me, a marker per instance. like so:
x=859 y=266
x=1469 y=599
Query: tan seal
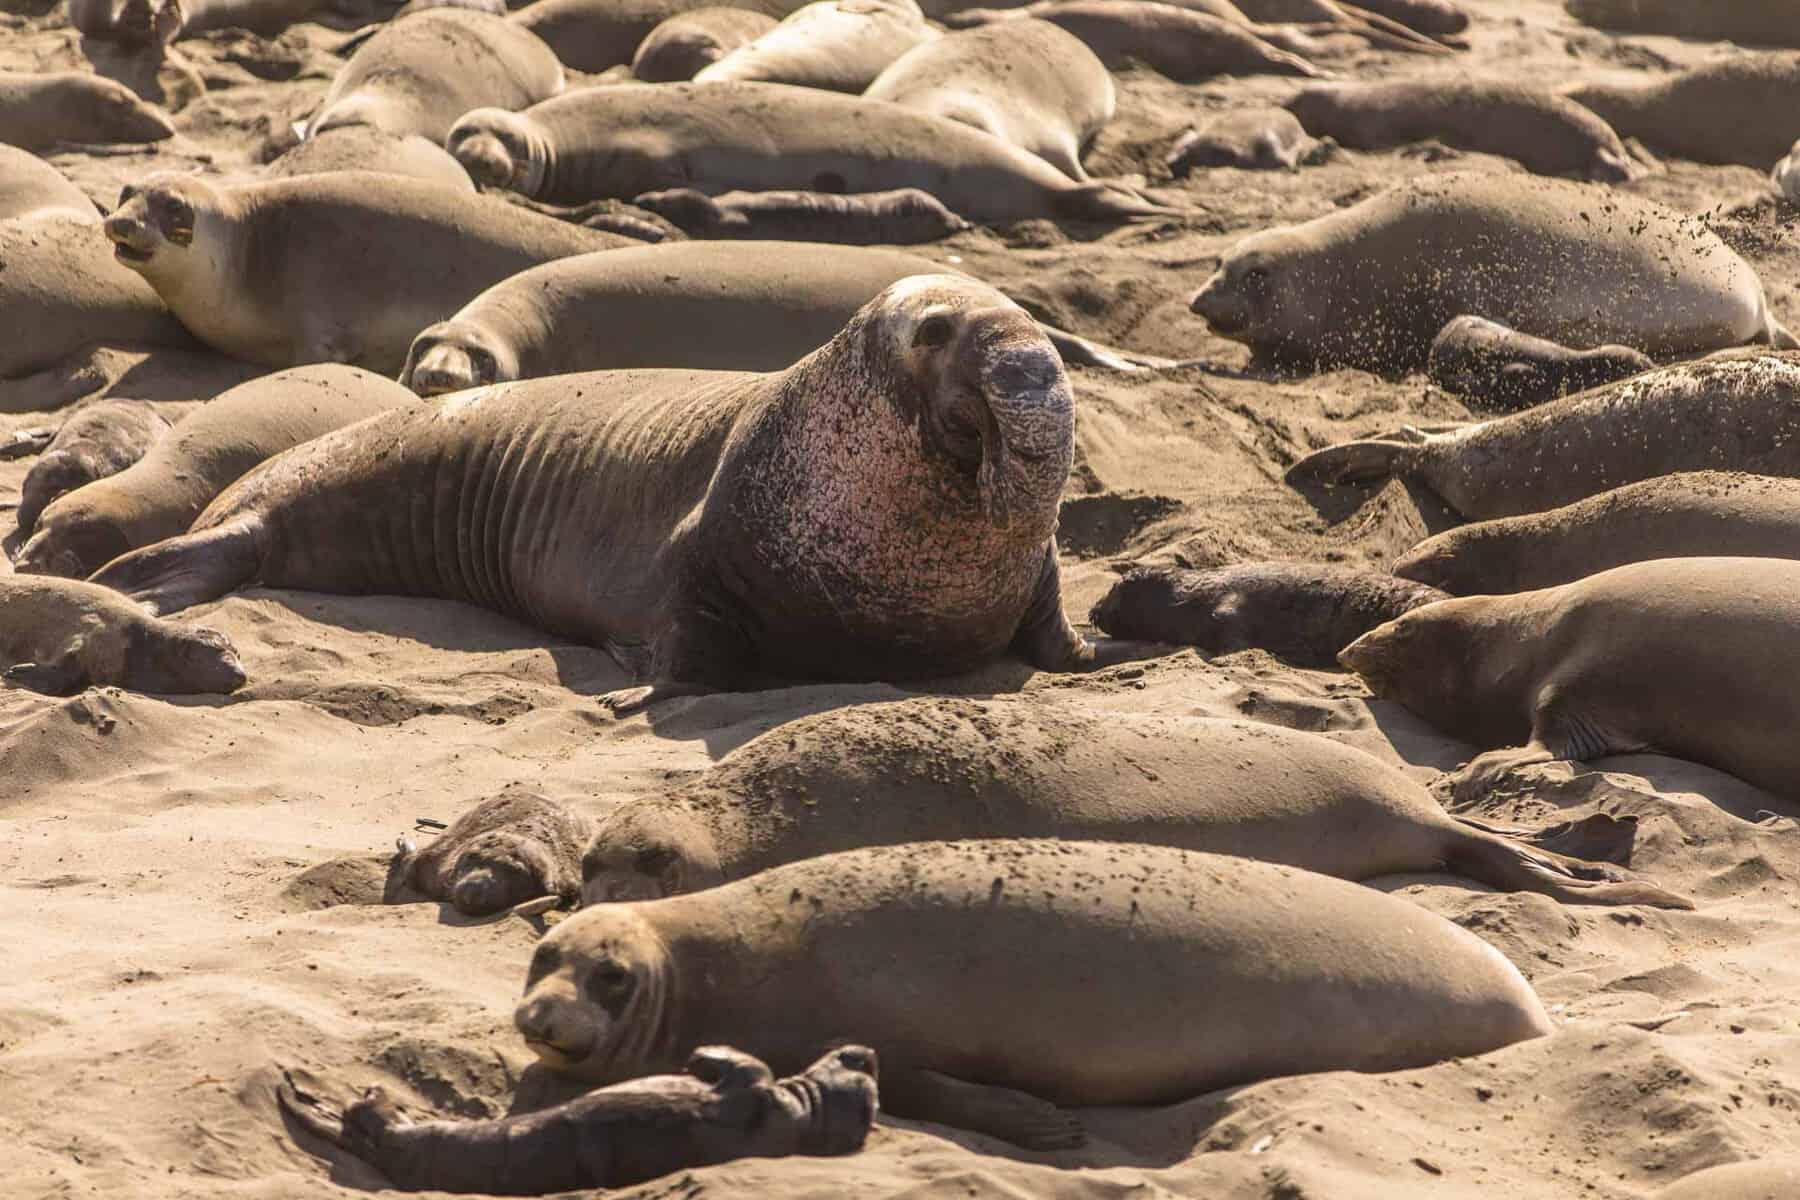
x=1262 y=139
x=366 y=148
x=63 y=635
x=1501 y=369
x=31 y=187
x=841 y=45
x=685 y=44
x=1758 y=1179
x=41 y=111
x=503 y=852
x=100 y=439
x=1751 y=22
x=1722 y=111
x=593 y=35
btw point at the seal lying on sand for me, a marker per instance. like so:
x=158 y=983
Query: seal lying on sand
x=1254 y=138
x=1752 y=22
x=1762 y=1179
x=1786 y=175
x=1370 y=286
x=160 y=495
x=39 y=111
x=1722 y=414
x=341 y=267
x=101 y=439
x=1718 y=112
x=506 y=850
x=1000 y=979
x=726 y=1105
x=365 y=148
x=936 y=770
x=626 y=140
x=841 y=45
x=592 y=35
x=1695 y=514
x=684 y=45
x=902 y=217
x=31 y=187
x=1503 y=369
x=1680 y=656
x=882 y=509
x=62 y=635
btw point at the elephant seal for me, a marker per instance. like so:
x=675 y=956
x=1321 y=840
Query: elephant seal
x=1724 y=414
x=685 y=44
x=593 y=35
x=38 y=112
x=327 y=268
x=1786 y=175
x=1439 y=18
x=1718 y=112
x=840 y=45
x=623 y=141
x=999 y=980
x=1751 y=22
x=701 y=523
x=1262 y=139
x=62 y=635
x=1028 y=83
x=768 y=303
x=930 y=770
x=159 y=496
x=725 y=1105
x=1372 y=285
x=1184 y=45
x=1679 y=656
x=31 y=187
x=366 y=148
x=902 y=217
x=1543 y=132
x=1694 y=514
x=1502 y=369
x=506 y=850
x=99 y=440
x=1303 y=613
x=418 y=75
x=1760 y=1179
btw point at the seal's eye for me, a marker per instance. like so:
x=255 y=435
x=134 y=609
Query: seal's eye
x=857 y=1059
x=610 y=985
x=933 y=332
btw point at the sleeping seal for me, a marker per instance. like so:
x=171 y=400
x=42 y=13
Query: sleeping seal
x=1750 y=22
x=41 y=111
x=1370 y=286
x=930 y=770
x=1260 y=139
x=366 y=148
x=1719 y=112
x=999 y=980
x=841 y=45
x=725 y=1105
x=592 y=35
x=884 y=508
x=679 y=48
x=902 y=217
x=31 y=187
x=61 y=635
x=506 y=850
x=99 y=440
x=1679 y=656
x=1491 y=366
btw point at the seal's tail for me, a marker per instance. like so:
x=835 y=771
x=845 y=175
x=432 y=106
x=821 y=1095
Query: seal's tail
x=1354 y=462
x=1780 y=338
x=1491 y=856
x=1108 y=202
x=191 y=569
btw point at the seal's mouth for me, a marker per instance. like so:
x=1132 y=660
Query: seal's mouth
x=551 y=1055
x=1226 y=318
x=447 y=368
x=485 y=157
x=132 y=242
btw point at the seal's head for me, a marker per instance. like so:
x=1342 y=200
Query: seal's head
x=833 y=1102
x=181 y=659
x=499 y=149
x=1247 y=297
x=647 y=850
x=152 y=230
x=115 y=112
x=73 y=537
x=1459 y=661
x=596 y=995
x=499 y=869
x=453 y=355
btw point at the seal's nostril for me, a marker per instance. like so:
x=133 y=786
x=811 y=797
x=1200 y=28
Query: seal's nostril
x=1020 y=371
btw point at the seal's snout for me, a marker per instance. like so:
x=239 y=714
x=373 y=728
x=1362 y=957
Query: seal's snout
x=447 y=367
x=541 y=1021
x=1367 y=653
x=1027 y=372
x=131 y=238
x=1223 y=310
x=485 y=157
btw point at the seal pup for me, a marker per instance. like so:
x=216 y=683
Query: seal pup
x=62 y=635
x=702 y=523
x=725 y=1105
x=366 y=148
x=38 y=112
x=623 y=141
x=31 y=187
x=1261 y=139
x=1717 y=112
x=1680 y=656
x=418 y=75
x=1722 y=414
x=679 y=48
x=929 y=770
x=1002 y=981
x=841 y=45
x=1372 y=285
x=506 y=850
x=327 y=268
x=593 y=35
x=1543 y=132
x=902 y=217
x=1502 y=369
x=1751 y=22
x=99 y=440
x=1694 y=514
x=1028 y=83
x=1786 y=175
x=1184 y=45
x=1759 y=1179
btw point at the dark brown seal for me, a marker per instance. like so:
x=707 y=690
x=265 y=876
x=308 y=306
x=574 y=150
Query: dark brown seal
x=506 y=850
x=1722 y=111
x=903 y=217
x=101 y=439
x=1494 y=367
x=62 y=635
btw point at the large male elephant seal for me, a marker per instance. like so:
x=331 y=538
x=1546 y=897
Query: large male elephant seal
x=99 y=440
x=1371 y=285
x=1001 y=979
x=685 y=44
x=159 y=496
x=1696 y=514
x=340 y=267
x=41 y=111
x=1752 y=22
x=366 y=148
x=418 y=75
x=841 y=45
x=507 y=850
x=1724 y=414
x=1681 y=656
x=1728 y=110
x=725 y=1105
x=1026 y=82
x=1758 y=1179
x=1544 y=132
x=625 y=140
x=885 y=508
x=931 y=770
x=592 y=35
x=62 y=635
x=31 y=187
x=1493 y=367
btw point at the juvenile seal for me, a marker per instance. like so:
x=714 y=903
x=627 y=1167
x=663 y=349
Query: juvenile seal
x=679 y=48
x=1371 y=285
x=31 y=187
x=725 y=1105
x=703 y=522
x=41 y=111
x=1759 y=1179
x=1726 y=414
x=340 y=267
x=1752 y=22
x=101 y=439
x=366 y=148
x=1543 y=132
x=1718 y=112
x=841 y=45
x=1494 y=367
x=593 y=35
x=1695 y=514
x=1001 y=979
x=418 y=75
x=902 y=217
x=506 y=850
x=1691 y=657
x=1263 y=139
x=623 y=141
x=61 y=635
x=160 y=495
x=1301 y=612
x=932 y=770
x=1027 y=82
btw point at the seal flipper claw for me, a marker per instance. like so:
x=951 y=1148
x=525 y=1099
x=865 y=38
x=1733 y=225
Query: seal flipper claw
x=1108 y=202
x=312 y=1114
x=1014 y=1116
x=1505 y=864
x=191 y=569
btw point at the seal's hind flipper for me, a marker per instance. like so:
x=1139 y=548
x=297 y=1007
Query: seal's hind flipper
x=191 y=569
x=1780 y=338
x=1353 y=462
x=1108 y=202
x=1507 y=864
x=1014 y=1116
x=309 y=1112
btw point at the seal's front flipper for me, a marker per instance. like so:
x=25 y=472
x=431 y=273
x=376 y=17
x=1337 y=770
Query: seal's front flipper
x=1483 y=773
x=60 y=678
x=191 y=569
x=25 y=442
x=1013 y=1116
x=1353 y=462
x=1078 y=351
